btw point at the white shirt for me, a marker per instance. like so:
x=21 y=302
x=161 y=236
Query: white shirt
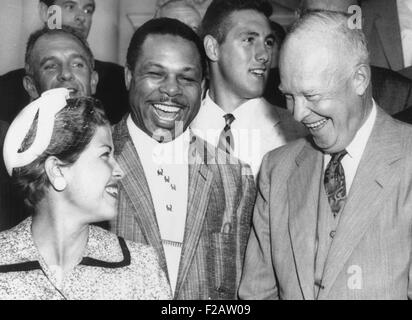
x=167 y=173
x=355 y=149
x=254 y=128
x=405 y=24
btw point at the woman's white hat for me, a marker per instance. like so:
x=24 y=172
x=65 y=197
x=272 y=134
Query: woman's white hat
x=48 y=105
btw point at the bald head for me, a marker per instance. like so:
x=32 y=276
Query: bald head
x=182 y=11
x=330 y=5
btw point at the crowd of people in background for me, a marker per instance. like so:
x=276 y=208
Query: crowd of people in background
x=231 y=157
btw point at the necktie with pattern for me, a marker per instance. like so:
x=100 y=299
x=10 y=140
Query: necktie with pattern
x=226 y=142
x=335 y=185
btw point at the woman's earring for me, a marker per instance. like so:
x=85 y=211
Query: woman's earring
x=59 y=183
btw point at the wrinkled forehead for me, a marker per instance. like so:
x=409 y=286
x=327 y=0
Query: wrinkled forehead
x=59 y=41
x=60 y=46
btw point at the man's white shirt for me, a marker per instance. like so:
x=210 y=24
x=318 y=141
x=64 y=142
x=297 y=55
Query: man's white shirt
x=254 y=128
x=167 y=173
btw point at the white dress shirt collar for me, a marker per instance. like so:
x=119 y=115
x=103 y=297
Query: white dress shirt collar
x=172 y=152
x=356 y=149
x=244 y=117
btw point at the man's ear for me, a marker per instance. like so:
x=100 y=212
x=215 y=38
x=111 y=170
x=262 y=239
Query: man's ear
x=211 y=47
x=127 y=77
x=362 y=79
x=30 y=87
x=43 y=11
x=94 y=80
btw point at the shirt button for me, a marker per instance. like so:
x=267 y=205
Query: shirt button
x=332 y=234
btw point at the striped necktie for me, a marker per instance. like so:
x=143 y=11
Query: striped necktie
x=226 y=142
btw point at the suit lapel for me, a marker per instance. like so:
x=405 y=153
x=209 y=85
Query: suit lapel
x=365 y=197
x=390 y=35
x=200 y=182
x=137 y=188
x=303 y=213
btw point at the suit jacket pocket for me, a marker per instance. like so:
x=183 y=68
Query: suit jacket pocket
x=223 y=251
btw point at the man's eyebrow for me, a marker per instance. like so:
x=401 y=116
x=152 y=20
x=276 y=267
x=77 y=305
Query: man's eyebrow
x=152 y=64
x=69 y=2
x=249 y=33
x=190 y=68
x=44 y=60
x=78 y=55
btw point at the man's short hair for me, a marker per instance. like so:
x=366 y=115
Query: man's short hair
x=163 y=26
x=48 y=2
x=216 y=20
x=335 y=24
x=66 y=31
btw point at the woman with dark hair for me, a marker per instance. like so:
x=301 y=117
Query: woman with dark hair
x=59 y=153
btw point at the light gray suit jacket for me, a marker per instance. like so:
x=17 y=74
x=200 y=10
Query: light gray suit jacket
x=370 y=256
x=220 y=205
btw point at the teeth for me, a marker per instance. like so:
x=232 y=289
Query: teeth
x=112 y=191
x=167 y=109
x=316 y=125
x=259 y=72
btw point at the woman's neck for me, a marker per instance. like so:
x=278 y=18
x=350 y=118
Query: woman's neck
x=59 y=238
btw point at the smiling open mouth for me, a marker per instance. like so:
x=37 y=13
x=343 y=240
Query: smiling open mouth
x=258 y=72
x=113 y=190
x=316 y=125
x=166 y=108
x=166 y=112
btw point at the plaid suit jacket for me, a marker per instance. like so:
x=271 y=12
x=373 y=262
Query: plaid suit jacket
x=220 y=205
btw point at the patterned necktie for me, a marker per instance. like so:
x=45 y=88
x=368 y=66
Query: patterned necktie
x=226 y=142
x=334 y=181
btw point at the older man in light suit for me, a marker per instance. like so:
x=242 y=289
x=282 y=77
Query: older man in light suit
x=179 y=194
x=334 y=211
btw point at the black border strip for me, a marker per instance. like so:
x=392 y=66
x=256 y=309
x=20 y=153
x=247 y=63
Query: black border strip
x=20 y=267
x=91 y=262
